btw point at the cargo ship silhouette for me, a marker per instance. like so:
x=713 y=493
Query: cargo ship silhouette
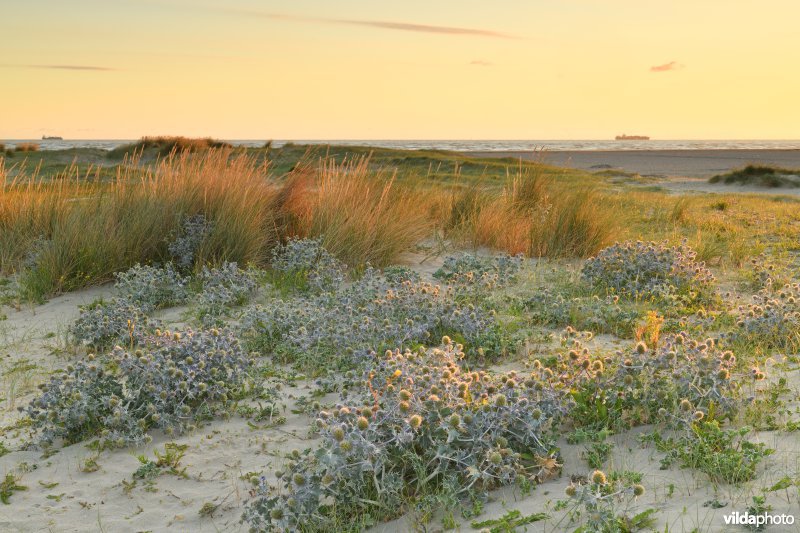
x=624 y=137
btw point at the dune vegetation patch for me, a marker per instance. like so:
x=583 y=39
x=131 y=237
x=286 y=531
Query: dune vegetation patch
x=69 y=232
x=760 y=176
x=164 y=145
x=533 y=216
x=349 y=347
x=26 y=147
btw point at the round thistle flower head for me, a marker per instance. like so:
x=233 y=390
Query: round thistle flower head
x=536 y=414
x=415 y=421
x=597 y=366
x=685 y=405
x=446 y=340
x=570 y=490
x=276 y=514
x=662 y=412
x=495 y=458
x=362 y=423
x=500 y=400
x=404 y=407
x=638 y=490
x=641 y=347
x=599 y=477
x=338 y=434
x=455 y=420
x=299 y=479
x=699 y=415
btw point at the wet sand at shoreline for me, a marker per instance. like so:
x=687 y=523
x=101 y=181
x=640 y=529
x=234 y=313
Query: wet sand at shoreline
x=661 y=163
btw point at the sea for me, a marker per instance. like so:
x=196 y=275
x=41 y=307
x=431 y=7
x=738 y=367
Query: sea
x=463 y=145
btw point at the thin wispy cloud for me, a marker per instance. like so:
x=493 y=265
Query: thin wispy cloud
x=666 y=67
x=92 y=68
x=381 y=24
x=481 y=63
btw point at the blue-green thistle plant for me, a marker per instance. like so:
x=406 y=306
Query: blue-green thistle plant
x=413 y=419
x=166 y=383
x=651 y=271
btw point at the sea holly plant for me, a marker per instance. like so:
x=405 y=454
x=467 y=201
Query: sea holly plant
x=608 y=501
x=397 y=274
x=169 y=382
x=406 y=426
x=481 y=273
x=221 y=288
x=370 y=315
x=152 y=287
x=186 y=245
x=651 y=271
x=649 y=383
x=771 y=320
x=607 y=314
x=305 y=263
x=104 y=323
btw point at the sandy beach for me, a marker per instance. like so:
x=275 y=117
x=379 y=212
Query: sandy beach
x=660 y=163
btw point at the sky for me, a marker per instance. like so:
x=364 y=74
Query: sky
x=433 y=69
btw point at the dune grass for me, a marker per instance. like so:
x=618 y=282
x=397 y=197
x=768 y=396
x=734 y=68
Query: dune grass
x=69 y=232
x=164 y=145
x=760 y=176
x=362 y=216
x=535 y=216
x=26 y=147
x=61 y=231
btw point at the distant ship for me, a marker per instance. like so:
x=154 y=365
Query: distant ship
x=624 y=137
x=53 y=138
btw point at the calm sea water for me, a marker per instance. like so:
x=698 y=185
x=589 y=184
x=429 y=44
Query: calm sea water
x=470 y=145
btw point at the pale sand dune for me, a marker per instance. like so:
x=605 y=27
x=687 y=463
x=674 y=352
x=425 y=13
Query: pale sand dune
x=220 y=453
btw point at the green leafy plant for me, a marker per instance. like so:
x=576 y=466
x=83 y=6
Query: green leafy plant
x=723 y=454
x=9 y=486
x=509 y=522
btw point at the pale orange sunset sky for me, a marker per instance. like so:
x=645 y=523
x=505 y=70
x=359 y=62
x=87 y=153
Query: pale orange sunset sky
x=358 y=69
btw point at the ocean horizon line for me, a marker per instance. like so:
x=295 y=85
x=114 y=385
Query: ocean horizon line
x=463 y=145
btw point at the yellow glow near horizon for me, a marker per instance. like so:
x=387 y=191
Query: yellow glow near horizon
x=355 y=69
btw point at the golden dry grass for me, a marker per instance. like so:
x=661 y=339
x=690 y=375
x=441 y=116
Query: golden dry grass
x=361 y=216
x=535 y=217
x=26 y=147
x=75 y=230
